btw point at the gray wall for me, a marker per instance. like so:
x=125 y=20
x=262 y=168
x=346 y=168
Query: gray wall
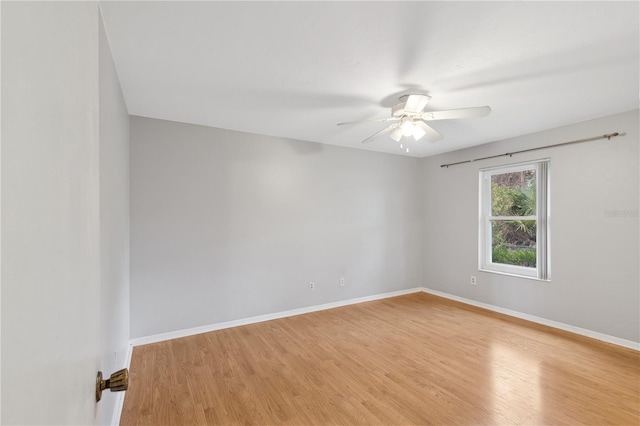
x=594 y=258
x=228 y=225
x=114 y=223
x=50 y=213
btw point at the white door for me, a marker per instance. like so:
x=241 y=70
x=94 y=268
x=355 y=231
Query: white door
x=50 y=213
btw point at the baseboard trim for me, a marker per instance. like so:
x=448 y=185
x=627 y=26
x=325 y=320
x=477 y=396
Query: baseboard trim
x=555 y=324
x=284 y=314
x=268 y=317
x=117 y=409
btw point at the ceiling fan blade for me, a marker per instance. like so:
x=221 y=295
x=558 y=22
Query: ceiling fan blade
x=386 y=129
x=396 y=135
x=456 y=113
x=416 y=103
x=430 y=133
x=370 y=121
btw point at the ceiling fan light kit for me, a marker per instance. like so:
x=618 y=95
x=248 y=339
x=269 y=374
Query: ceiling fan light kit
x=410 y=119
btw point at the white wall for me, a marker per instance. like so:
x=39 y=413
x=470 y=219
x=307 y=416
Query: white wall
x=50 y=212
x=114 y=224
x=0 y=213
x=594 y=258
x=227 y=225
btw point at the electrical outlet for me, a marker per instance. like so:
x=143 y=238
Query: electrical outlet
x=473 y=280
x=312 y=285
x=341 y=282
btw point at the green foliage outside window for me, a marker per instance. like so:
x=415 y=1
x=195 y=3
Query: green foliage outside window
x=514 y=241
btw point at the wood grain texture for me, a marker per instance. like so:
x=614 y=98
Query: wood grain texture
x=415 y=359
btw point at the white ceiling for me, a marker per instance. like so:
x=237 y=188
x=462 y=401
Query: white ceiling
x=296 y=69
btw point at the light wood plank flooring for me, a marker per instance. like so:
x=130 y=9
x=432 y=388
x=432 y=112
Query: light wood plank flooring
x=415 y=359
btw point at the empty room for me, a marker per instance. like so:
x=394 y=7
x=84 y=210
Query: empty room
x=319 y=213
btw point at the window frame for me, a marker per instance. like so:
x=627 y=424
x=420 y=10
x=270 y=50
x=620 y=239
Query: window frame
x=542 y=271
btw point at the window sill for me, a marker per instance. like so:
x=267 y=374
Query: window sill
x=510 y=274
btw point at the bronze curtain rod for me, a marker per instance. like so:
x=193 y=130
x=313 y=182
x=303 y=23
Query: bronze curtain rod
x=595 y=138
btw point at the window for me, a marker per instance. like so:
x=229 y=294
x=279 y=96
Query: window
x=514 y=212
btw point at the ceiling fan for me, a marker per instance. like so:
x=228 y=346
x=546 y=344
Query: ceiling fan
x=410 y=119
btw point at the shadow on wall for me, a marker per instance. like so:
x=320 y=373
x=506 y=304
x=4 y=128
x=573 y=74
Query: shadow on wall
x=305 y=148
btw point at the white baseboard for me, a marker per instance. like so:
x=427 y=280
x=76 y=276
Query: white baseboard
x=268 y=317
x=555 y=324
x=117 y=409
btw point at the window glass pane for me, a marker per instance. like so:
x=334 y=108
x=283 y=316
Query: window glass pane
x=513 y=242
x=513 y=193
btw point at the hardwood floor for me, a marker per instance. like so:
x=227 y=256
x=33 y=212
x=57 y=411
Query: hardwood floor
x=415 y=359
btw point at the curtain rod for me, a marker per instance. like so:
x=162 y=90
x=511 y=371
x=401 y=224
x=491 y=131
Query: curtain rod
x=595 y=138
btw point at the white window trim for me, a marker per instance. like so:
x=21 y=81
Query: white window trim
x=542 y=271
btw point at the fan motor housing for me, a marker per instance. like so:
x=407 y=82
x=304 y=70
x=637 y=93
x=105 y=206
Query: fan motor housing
x=398 y=110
